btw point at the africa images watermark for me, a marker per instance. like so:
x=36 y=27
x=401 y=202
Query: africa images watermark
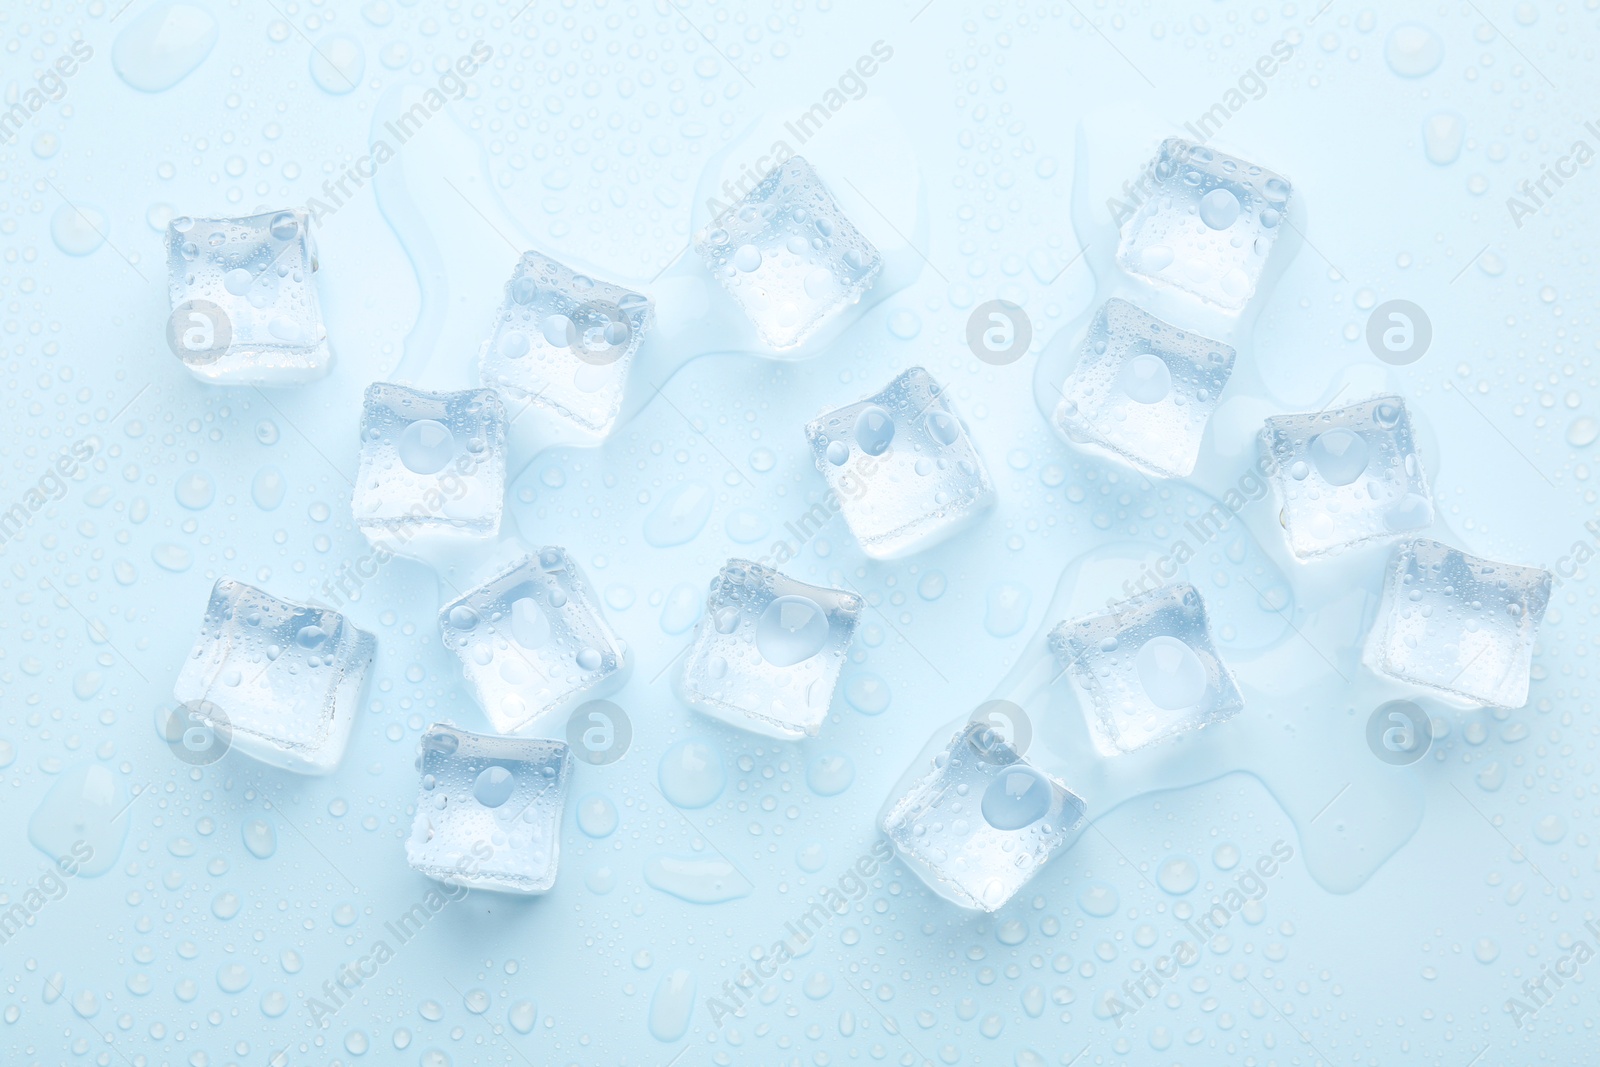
x=44 y=890
x=1248 y=887
x=452 y=485
x=1251 y=85
x=851 y=85
x=1537 y=192
x=1564 y=969
x=1205 y=528
x=51 y=486
x=831 y=902
x=49 y=84
x=451 y=85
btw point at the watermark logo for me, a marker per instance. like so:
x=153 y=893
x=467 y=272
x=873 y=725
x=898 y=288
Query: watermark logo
x=1399 y=332
x=197 y=732
x=1008 y=732
x=599 y=732
x=1399 y=733
x=199 y=332
x=999 y=332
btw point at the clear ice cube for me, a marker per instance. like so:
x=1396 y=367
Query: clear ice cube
x=1143 y=389
x=1457 y=624
x=767 y=652
x=244 y=305
x=789 y=255
x=564 y=342
x=901 y=467
x=532 y=640
x=489 y=810
x=1147 y=669
x=1346 y=476
x=285 y=678
x=1206 y=223
x=432 y=465
x=981 y=821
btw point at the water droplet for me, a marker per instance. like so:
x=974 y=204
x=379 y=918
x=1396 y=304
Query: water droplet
x=494 y=786
x=1019 y=796
x=791 y=630
x=260 y=838
x=691 y=774
x=874 y=429
x=672 y=1004
x=1340 y=455
x=680 y=516
x=867 y=693
x=830 y=773
x=1145 y=378
x=427 y=446
x=1219 y=208
x=159 y=48
x=1172 y=675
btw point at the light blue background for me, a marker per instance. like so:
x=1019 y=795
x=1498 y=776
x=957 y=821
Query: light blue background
x=593 y=123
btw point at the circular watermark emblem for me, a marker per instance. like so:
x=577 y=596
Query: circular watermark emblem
x=198 y=732
x=1399 y=733
x=1006 y=731
x=199 y=332
x=1399 y=332
x=597 y=332
x=599 y=732
x=999 y=332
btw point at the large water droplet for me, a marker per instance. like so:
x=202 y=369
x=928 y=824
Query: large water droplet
x=1145 y=378
x=427 y=446
x=791 y=629
x=1340 y=455
x=874 y=430
x=494 y=786
x=1019 y=796
x=530 y=626
x=1219 y=208
x=680 y=516
x=691 y=774
x=672 y=1005
x=1172 y=675
x=159 y=48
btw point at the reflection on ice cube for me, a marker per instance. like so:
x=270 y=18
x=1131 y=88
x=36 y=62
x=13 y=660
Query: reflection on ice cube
x=789 y=255
x=901 y=467
x=433 y=465
x=768 y=651
x=1144 y=390
x=532 y=640
x=564 y=342
x=980 y=821
x=244 y=305
x=1147 y=670
x=1346 y=477
x=489 y=810
x=1459 y=625
x=287 y=677
x=1204 y=222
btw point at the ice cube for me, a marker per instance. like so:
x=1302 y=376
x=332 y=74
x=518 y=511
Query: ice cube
x=1205 y=224
x=285 y=678
x=901 y=467
x=982 y=820
x=433 y=466
x=1143 y=389
x=489 y=810
x=244 y=306
x=564 y=342
x=1346 y=476
x=532 y=640
x=788 y=254
x=1147 y=669
x=1457 y=624
x=767 y=652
